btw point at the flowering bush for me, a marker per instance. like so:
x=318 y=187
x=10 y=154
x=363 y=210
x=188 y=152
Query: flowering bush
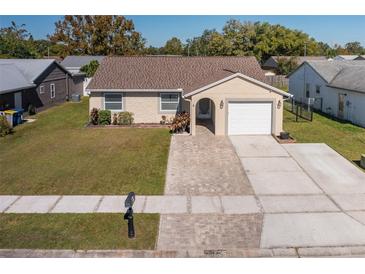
x=181 y=123
x=94 y=116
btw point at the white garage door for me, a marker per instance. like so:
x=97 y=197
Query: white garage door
x=249 y=118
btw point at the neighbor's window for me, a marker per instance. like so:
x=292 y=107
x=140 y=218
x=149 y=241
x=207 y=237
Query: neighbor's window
x=169 y=101
x=53 y=90
x=307 y=89
x=41 y=89
x=318 y=89
x=113 y=101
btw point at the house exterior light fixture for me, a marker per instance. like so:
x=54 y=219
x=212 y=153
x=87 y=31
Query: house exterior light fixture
x=279 y=104
x=221 y=104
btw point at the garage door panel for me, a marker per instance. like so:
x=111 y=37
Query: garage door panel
x=249 y=118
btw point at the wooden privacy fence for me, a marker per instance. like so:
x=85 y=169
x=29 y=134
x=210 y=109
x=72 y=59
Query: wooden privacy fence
x=279 y=81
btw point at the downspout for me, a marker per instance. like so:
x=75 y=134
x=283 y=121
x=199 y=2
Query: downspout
x=67 y=87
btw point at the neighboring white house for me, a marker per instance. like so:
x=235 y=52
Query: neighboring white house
x=335 y=87
x=73 y=64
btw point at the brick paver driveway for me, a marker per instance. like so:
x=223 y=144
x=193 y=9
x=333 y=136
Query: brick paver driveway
x=204 y=165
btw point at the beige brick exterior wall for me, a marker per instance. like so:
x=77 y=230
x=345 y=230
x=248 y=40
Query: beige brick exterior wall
x=144 y=105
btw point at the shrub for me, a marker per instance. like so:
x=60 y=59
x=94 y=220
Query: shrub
x=125 y=118
x=180 y=123
x=31 y=109
x=104 y=117
x=94 y=116
x=4 y=126
x=115 y=119
x=163 y=120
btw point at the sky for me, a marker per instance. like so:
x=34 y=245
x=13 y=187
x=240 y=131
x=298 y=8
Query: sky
x=157 y=29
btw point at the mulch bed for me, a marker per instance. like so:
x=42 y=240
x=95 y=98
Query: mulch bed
x=137 y=125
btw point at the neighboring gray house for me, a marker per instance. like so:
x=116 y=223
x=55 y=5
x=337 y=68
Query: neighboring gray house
x=334 y=87
x=271 y=64
x=38 y=82
x=345 y=57
x=73 y=64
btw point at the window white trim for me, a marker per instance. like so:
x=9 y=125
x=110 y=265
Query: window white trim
x=52 y=90
x=121 y=101
x=178 y=102
x=41 y=89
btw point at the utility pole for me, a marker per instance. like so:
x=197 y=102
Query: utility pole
x=305 y=48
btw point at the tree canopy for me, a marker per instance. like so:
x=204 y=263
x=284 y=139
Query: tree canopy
x=90 y=68
x=17 y=42
x=116 y=35
x=97 y=35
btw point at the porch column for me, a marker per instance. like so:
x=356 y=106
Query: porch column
x=192 y=117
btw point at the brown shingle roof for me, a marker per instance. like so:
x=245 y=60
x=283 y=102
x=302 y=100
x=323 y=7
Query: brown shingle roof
x=166 y=72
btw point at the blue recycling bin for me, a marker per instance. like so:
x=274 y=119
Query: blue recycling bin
x=18 y=116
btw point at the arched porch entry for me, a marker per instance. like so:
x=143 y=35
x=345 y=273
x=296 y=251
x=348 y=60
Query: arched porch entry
x=205 y=114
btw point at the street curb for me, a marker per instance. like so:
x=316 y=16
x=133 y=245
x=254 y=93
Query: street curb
x=349 y=251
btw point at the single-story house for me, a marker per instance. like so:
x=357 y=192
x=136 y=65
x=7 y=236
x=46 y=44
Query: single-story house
x=229 y=92
x=271 y=64
x=345 y=57
x=334 y=87
x=73 y=64
x=37 y=82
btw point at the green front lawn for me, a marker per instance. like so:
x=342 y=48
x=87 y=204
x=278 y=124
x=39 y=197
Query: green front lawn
x=345 y=138
x=56 y=154
x=76 y=231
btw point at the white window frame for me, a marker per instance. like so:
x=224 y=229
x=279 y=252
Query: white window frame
x=41 y=89
x=178 y=102
x=52 y=90
x=113 y=93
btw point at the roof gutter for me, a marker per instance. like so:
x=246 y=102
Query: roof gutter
x=15 y=89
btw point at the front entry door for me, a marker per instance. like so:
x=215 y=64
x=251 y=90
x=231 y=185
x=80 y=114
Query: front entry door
x=341 y=106
x=204 y=109
x=18 y=100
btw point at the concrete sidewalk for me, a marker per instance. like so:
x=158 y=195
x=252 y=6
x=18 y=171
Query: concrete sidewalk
x=167 y=204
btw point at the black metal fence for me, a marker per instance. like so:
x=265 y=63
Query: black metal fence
x=300 y=110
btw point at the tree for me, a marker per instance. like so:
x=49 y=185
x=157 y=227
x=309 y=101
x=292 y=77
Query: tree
x=258 y=39
x=287 y=65
x=17 y=42
x=90 y=68
x=354 y=48
x=98 y=35
x=173 y=46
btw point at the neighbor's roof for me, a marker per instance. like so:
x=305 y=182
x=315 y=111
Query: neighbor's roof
x=30 y=68
x=74 y=61
x=351 y=78
x=274 y=59
x=186 y=73
x=346 y=57
x=11 y=78
x=360 y=58
x=342 y=74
